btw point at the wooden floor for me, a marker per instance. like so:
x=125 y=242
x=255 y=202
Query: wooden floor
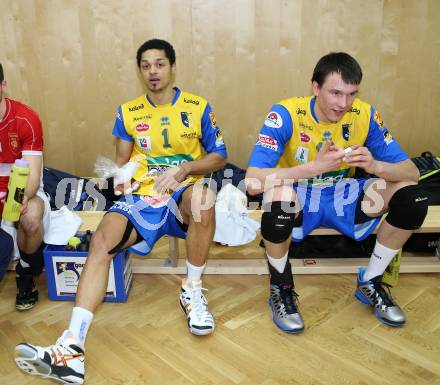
x=145 y=341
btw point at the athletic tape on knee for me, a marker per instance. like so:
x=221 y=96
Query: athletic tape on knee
x=408 y=208
x=276 y=223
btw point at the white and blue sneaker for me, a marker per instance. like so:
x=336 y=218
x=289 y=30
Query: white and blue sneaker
x=372 y=293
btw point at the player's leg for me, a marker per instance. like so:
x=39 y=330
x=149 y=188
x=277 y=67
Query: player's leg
x=197 y=207
x=30 y=244
x=64 y=361
x=276 y=229
x=406 y=205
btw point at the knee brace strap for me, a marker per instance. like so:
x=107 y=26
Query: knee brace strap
x=408 y=208
x=120 y=246
x=276 y=224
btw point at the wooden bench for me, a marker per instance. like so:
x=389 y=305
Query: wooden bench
x=172 y=264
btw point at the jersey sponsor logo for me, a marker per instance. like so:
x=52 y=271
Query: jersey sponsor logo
x=267 y=142
x=142 y=127
x=164 y=121
x=300 y=111
x=156 y=202
x=167 y=161
x=327 y=136
x=387 y=137
x=378 y=119
x=14 y=143
x=302 y=154
x=123 y=206
x=273 y=119
x=346 y=131
x=304 y=137
x=219 y=142
x=354 y=110
x=305 y=126
x=136 y=108
x=186 y=118
x=145 y=117
x=189 y=135
x=191 y=101
x=329 y=178
x=213 y=120
x=144 y=142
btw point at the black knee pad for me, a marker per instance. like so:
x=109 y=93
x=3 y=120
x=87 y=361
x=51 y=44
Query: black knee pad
x=408 y=208
x=276 y=224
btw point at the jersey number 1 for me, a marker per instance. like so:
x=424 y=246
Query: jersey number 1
x=166 y=143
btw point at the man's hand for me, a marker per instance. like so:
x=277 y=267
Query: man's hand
x=24 y=205
x=126 y=188
x=328 y=158
x=123 y=179
x=361 y=157
x=170 y=179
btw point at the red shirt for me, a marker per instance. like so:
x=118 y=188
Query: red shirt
x=21 y=133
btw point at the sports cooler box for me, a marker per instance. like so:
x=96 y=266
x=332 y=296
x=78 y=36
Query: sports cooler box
x=63 y=269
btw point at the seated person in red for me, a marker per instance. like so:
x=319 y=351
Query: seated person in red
x=21 y=136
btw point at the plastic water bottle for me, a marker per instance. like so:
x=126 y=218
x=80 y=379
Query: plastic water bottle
x=16 y=186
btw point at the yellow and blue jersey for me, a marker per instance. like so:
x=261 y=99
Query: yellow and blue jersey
x=168 y=135
x=292 y=135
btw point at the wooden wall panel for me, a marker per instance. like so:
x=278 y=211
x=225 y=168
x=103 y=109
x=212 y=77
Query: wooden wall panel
x=74 y=62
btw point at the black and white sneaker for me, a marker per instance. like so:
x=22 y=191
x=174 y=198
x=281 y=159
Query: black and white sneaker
x=63 y=362
x=195 y=306
x=27 y=293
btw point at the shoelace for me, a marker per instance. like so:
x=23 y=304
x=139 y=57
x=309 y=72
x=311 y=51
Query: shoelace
x=57 y=354
x=289 y=297
x=197 y=300
x=382 y=293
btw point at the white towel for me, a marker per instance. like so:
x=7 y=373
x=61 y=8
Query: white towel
x=233 y=225
x=63 y=225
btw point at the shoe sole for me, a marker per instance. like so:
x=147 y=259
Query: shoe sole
x=288 y=331
x=28 y=305
x=361 y=297
x=24 y=307
x=28 y=361
x=197 y=332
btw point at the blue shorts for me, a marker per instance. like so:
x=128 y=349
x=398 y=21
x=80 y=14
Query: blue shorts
x=152 y=217
x=333 y=206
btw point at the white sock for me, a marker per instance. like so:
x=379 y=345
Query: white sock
x=379 y=261
x=194 y=273
x=278 y=263
x=80 y=323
